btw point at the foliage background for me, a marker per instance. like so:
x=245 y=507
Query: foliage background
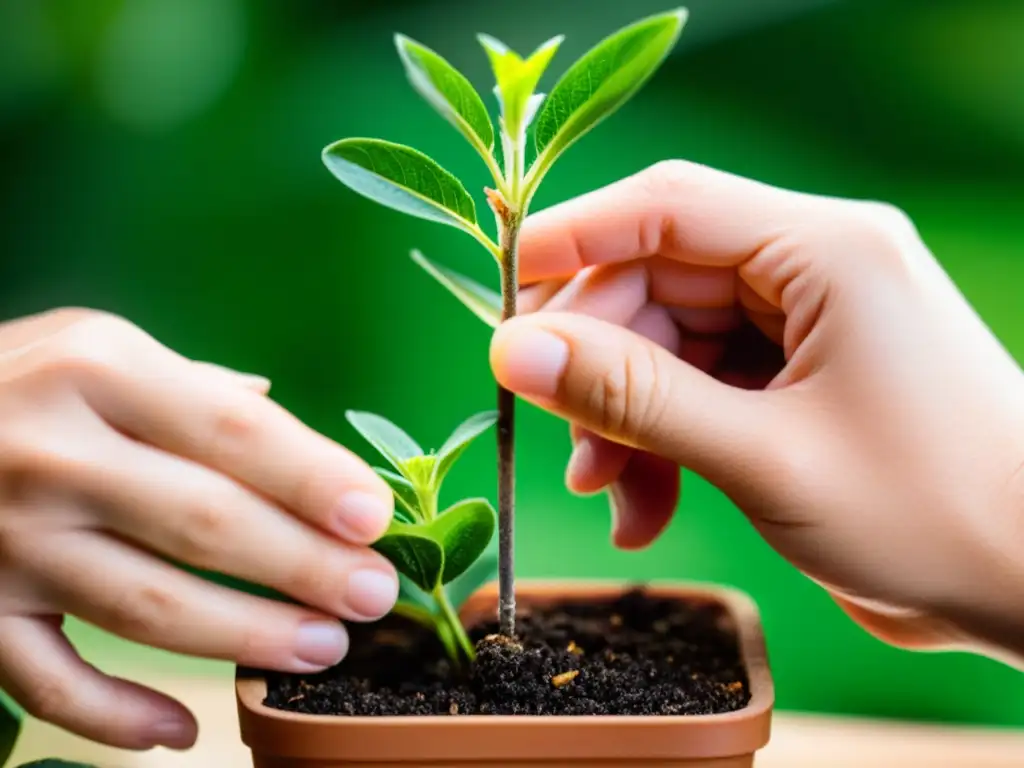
x=161 y=160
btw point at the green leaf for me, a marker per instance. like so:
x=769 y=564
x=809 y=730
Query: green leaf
x=485 y=569
x=602 y=81
x=448 y=91
x=459 y=441
x=464 y=531
x=481 y=301
x=52 y=763
x=401 y=178
x=415 y=552
x=392 y=443
x=517 y=79
x=407 y=507
x=436 y=553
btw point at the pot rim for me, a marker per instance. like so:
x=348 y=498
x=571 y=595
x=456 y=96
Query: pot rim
x=292 y=738
x=251 y=688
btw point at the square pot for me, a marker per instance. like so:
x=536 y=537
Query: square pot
x=280 y=739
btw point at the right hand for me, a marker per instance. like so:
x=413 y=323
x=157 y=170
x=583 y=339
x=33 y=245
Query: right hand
x=118 y=456
x=806 y=355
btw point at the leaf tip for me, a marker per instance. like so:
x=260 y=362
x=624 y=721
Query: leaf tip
x=679 y=17
x=554 y=42
x=681 y=14
x=492 y=43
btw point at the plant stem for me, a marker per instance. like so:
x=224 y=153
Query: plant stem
x=451 y=618
x=506 y=437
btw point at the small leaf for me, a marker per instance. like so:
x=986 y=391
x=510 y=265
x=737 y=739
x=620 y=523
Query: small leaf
x=517 y=79
x=401 y=178
x=485 y=569
x=415 y=552
x=407 y=507
x=419 y=470
x=391 y=441
x=10 y=727
x=603 y=80
x=448 y=91
x=464 y=531
x=459 y=441
x=481 y=301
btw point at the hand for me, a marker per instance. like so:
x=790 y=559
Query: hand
x=810 y=358
x=118 y=456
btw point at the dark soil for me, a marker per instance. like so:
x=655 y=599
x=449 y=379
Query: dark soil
x=632 y=656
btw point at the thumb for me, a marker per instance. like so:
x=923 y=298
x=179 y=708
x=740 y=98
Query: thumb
x=628 y=389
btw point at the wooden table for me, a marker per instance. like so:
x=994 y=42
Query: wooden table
x=798 y=741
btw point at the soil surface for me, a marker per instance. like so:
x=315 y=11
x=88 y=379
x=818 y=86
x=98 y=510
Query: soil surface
x=634 y=655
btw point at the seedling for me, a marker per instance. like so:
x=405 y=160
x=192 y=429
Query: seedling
x=407 y=180
x=437 y=553
x=441 y=555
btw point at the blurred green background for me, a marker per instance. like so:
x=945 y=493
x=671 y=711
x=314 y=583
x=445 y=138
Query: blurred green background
x=160 y=159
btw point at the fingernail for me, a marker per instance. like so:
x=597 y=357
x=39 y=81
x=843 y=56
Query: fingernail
x=321 y=644
x=581 y=463
x=174 y=734
x=254 y=381
x=372 y=593
x=532 y=361
x=615 y=504
x=361 y=517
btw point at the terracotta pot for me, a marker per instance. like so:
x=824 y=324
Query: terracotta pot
x=280 y=739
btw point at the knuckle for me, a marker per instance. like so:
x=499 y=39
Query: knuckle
x=889 y=219
x=630 y=397
x=203 y=533
x=666 y=180
x=604 y=398
x=233 y=428
x=666 y=175
x=875 y=229
x=145 y=613
x=91 y=345
x=51 y=699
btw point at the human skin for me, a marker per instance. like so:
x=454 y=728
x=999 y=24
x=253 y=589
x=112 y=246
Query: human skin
x=118 y=458
x=809 y=357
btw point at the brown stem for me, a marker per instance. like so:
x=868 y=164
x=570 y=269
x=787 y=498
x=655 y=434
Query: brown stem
x=506 y=439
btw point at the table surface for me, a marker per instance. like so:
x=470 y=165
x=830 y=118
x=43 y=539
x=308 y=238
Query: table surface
x=798 y=741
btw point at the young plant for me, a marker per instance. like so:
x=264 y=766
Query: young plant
x=438 y=553
x=405 y=179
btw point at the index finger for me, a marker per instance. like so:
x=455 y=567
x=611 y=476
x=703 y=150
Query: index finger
x=676 y=209
x=160 y=398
